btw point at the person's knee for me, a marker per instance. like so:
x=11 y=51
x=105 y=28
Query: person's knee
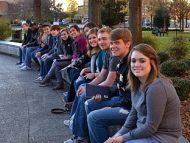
x=91 y=118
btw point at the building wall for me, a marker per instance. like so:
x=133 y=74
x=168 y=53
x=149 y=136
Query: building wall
x=3 y=8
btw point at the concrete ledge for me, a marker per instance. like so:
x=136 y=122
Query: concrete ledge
x=10 y=48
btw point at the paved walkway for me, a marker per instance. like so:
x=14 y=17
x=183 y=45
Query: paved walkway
x=25 y=115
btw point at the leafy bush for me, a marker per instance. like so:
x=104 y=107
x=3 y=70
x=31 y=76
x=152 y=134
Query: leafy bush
x=146 y=28
x=173 y=68
x=149 y=40
x=179 y=48
x=5 y=29
x=163 y=56
x=187 y=61
x=182 y=87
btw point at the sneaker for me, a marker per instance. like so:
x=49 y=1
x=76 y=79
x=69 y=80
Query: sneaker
x=77 y=140
x=25 y=68
x=18 y=63
x=65 y=96
x=39 y=79
x=72 y=140
x=21 y=65
x=66 y=123
x=82 y=140
x=58 y=87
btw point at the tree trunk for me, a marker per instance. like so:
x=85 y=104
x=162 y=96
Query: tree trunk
x=135 y=16
x=94 y=11
x=37 y=10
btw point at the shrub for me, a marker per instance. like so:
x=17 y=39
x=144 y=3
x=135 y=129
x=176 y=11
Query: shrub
x=179 y=49
x=146 y=28
x=187 y=61
x=163 y=56
x=149 y=40
x=182 y=87
x=173 y=68
x=5 y=29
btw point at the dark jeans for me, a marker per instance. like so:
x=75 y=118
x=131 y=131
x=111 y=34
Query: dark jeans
x=55 y=69
x=33 y=55
x=20 y=55
x=28 y=56
x=100 y=120
x=73 y=75
x=80 y=127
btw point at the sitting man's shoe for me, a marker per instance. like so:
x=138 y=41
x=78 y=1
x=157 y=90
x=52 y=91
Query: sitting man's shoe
x=21 y=65
x=25 y=68
x=45 y=82
x=58 y=87
x=65 y=96
x=82 y=140
x=66 y=123
x=39 y=79
x=77 y=140
x=18 y=63
x=72 y=140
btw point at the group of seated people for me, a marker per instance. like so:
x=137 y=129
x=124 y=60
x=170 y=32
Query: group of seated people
x=139 y=99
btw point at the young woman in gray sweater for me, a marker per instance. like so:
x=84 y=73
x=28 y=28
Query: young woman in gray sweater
x=155 y=113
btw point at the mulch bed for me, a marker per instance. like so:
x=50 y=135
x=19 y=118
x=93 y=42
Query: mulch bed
x=185 y=113
x=185 y=116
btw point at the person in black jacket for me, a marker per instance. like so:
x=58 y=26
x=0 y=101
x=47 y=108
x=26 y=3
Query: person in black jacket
x=26 y=40
x=30 y=47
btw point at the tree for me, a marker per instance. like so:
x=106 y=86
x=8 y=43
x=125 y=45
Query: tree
x=151 y=8
x=135 y=17
x=113 y=12
x=94 y=11
x=52 y=11
x=72 y=6
x=179 y=9
x=37 y=10
x=162 y=18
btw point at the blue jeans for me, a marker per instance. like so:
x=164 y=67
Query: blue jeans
x=23 y=54
x=28 y=55
x=55 y=70
x=91 y=105
x=99 y=121
x=80 y=127
x=20 y=55
x=47 y=65
x=76 y=85
x=33 y=55
x=144 y=140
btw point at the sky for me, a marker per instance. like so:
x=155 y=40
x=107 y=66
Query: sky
x=80 y=2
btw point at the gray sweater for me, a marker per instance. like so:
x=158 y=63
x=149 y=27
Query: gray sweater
x=155 y=113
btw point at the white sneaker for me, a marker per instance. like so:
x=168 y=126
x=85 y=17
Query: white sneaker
x=24 y=68
x=70 y=141
x=66 y=123
x=39 y=79
x=21 y=65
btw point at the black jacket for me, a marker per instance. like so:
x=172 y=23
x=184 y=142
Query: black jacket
x=27 y=37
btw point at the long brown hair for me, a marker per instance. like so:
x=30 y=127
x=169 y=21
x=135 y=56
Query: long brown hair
x=148 y=51
x=91 y=49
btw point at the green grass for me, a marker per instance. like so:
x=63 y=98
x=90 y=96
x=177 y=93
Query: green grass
x=163 y=43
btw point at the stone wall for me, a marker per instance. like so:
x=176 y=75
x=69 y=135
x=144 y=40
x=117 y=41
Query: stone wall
x=10 y=48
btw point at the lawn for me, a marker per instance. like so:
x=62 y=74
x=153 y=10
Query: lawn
x=162 y=43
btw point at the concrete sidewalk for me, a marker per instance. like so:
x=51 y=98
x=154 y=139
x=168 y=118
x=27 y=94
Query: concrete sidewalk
x=25 y=115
